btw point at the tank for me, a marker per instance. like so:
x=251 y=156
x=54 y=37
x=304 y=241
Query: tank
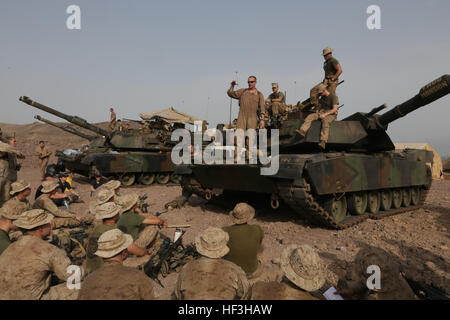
x=358 y=176
x=137 y=155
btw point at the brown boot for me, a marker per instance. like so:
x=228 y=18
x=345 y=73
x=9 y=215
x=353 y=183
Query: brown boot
x=301 y=132
x=322 y=144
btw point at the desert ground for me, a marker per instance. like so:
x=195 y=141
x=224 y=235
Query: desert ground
x=419 y=240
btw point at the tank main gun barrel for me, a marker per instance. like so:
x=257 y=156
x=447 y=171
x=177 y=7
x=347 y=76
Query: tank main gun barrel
x=429 y=93
x=67 y=129
x=72 y=119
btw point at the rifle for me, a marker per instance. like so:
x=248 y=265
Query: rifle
x=169 y=257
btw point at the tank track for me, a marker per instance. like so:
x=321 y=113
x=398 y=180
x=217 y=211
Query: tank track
x=303 y=202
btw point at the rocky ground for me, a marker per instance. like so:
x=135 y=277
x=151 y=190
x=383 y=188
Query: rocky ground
x=419 y=240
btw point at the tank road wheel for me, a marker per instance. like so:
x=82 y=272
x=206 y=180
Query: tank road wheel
x=357 y=203
x=373 y=202
x=397 y=198
x=147 y=178
x=337 y=208
x=127 y=179
x=406 y=198
x=386 y=200
x=162 y=178
x=415 y=196
x=175 y=178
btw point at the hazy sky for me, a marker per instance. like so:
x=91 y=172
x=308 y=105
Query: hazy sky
x=140 y=56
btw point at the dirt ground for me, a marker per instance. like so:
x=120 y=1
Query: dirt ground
x=419 y=240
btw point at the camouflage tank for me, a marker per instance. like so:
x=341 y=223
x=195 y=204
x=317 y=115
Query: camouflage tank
x=141 y=155
x=358 y=176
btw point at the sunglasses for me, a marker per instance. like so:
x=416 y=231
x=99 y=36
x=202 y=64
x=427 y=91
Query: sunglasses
x=251 y=81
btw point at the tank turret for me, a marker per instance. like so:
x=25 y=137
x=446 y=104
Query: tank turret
x=360 y=132
x=66 y=128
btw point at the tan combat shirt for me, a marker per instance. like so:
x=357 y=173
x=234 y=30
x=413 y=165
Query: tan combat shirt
x=44 y=202
x=26 y=267
x=211 y=279
x=15 y=206
x=44 y=152
x=278 y=291
x=113 y=281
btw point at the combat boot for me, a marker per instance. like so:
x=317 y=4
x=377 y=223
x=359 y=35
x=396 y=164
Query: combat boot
x=301 y=132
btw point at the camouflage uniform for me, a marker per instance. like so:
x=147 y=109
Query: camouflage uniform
x=26 y=267
x=277 y=107
x=211 y=279
x=278 y=291
x=4 y=182
x=45 y=153
x=113 y=281
x=326 y=104
x=16 y=207
x=62 y=218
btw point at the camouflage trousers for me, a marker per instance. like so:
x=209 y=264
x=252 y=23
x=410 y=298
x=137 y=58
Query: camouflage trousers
x=5 y=187
x=314 y=92
x=325 y=130
x=146 y=236
x=70 y=222
x=277 y=108
x=60 y=292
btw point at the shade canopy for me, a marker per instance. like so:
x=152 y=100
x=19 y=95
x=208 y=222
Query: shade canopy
x=169 y=115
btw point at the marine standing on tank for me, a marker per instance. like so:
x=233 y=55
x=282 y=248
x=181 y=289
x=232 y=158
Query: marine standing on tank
x=250 y=101
x=333 y=70
x=276 y=100
x=112 y=121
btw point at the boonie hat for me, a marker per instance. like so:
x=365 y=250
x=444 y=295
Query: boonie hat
x=112 y=242
x=303 y=266
x=127 y=201
x=49 y=186
x=242 y=213
x=18 y=186
x=106 y=210
x=33 y=218
x=212 y=243
x=326 y=51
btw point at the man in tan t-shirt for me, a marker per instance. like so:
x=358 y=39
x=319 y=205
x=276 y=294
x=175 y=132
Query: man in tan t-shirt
x=43 y=153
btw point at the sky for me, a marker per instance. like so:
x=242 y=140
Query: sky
x=139 y=56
